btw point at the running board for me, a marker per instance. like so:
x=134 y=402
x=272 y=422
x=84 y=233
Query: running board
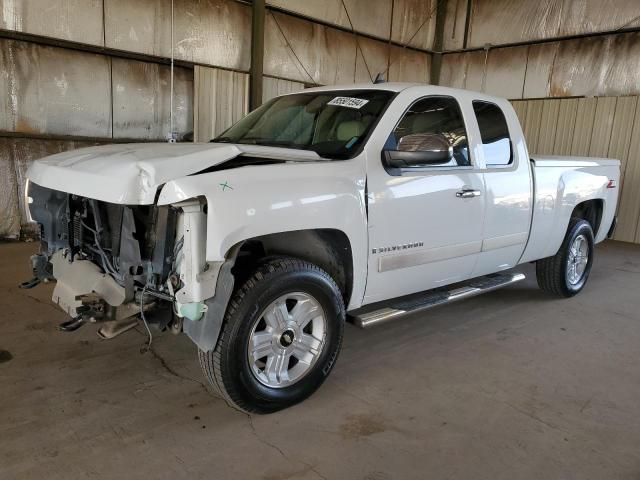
x=399 y=308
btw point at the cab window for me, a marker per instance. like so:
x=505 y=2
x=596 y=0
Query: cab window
x=433 y=123
x=496 y=142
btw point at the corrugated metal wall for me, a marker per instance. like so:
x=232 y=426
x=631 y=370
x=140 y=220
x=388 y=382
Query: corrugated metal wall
x=395 y=20
x=212 y=32
x=141 y=100
x=56 y=91
x=272 y=87
x=209 y=32
x=368 y=16
x=599 y=127
x=500 y=22
x=297 y=49
x=75 y=20
x=607 y=65
x=221 y=99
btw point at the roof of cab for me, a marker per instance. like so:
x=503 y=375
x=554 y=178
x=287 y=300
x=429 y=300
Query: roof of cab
x=400 y=86
x=391 y=86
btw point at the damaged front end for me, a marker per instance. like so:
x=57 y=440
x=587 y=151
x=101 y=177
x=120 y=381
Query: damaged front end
x=112 y=262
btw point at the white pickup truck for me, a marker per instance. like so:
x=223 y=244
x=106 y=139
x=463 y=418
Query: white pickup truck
x=362 y=202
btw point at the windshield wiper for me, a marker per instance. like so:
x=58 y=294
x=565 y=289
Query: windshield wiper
x=221 y=140
x=269 y=142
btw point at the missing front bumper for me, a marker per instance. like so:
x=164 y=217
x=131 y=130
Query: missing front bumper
x=81 y=279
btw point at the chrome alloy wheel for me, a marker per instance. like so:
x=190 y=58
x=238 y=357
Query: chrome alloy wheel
x=287 y=339
x=577 y=260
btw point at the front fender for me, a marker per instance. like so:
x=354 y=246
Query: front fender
x=252 y=201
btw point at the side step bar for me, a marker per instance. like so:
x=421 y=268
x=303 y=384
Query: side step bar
x=398 y=308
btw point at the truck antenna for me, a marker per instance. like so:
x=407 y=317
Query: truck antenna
x=379 y=78
x=171 y=136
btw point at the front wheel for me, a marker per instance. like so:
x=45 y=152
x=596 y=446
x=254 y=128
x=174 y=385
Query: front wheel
x=566 y=273
x=280 y=339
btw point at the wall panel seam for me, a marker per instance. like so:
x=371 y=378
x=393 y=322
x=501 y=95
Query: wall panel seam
x=541 y=41
x=317 y=21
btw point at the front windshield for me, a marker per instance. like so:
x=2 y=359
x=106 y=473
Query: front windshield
x=333 y=124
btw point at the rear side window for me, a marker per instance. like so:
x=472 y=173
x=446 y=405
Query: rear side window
x=494 y=133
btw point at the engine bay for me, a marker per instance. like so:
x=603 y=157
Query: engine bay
x=125 y=256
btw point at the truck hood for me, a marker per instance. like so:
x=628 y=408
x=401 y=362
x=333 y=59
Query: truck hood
x=131 y=173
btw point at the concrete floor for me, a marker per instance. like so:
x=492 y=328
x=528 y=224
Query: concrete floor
x=510 y=385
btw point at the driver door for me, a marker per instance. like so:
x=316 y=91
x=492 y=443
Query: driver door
x=425 y=219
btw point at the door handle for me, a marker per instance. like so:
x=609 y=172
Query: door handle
x=468 y=193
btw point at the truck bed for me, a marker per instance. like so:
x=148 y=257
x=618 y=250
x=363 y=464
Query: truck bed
x=568 y=161
x=559 y=184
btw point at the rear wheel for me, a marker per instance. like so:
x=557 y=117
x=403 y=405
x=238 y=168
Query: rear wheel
x=566 y=273
x=280 y=339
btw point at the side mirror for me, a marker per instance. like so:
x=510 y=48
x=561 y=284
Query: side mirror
x=420 y=149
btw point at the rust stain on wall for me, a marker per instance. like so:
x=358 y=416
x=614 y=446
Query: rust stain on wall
x=75 y=20
x=368 y=16
x=212 y=32
x=141 y=100
x=327 y=55
x=54 y=90
x=414 y=22
x=509 y=21
x=607 y=65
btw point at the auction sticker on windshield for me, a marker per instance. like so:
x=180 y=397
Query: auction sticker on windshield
x=348 y=102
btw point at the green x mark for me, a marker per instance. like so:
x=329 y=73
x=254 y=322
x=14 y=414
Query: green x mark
x=225 y=185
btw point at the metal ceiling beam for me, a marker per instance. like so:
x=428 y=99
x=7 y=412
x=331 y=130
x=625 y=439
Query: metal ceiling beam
x=257 y=54
x=107 y=51
x=438 y=42
x=467 y=24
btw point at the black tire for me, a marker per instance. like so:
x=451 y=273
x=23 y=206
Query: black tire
x=227 y=367
x=551 y=272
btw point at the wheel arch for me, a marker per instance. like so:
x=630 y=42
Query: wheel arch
x=328 y=248
x=591 y=211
